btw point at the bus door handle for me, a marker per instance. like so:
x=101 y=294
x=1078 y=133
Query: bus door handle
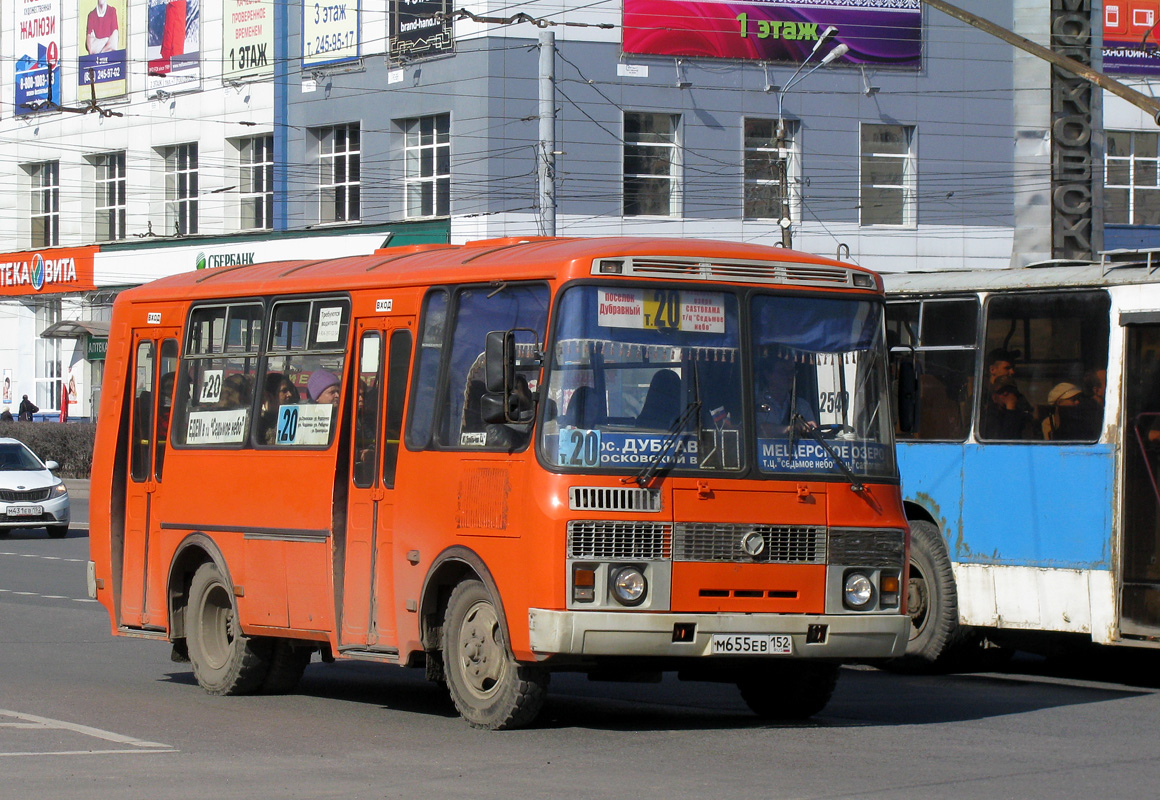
x=150 y=486
x=378 y=493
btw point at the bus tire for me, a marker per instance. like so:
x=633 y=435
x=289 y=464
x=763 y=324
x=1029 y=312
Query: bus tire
x=288 y=661
x=791 y=690
x=931 y=600
x=225 y=661
x=489 y=687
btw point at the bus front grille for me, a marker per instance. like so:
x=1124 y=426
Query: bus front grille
x=613 y=498
x=779 y=544
x=867 y=547
x=610 y=539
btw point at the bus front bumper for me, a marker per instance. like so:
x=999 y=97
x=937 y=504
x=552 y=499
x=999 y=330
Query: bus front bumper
x=596 y=633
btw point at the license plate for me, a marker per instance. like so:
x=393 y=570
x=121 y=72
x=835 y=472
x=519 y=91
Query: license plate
x=25 y=511
x=748 y=644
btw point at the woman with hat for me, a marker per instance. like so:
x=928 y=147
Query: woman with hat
x=1063 y=421
x=323 y=387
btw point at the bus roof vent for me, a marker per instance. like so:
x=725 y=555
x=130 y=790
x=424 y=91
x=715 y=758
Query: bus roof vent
x=730 y=270
x=618 y=498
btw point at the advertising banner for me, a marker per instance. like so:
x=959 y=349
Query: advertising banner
x=878 y=32
x=1130 y=44
x=37 y=35
x=173 y=46
x=330 y=32
x=247 y=39
x=61 y=269
x=416 y=31
x=102 y=38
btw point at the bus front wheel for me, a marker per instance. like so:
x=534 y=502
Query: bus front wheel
x=489 y=687
x=931 y=598
x=793 y=690
x=225 y=661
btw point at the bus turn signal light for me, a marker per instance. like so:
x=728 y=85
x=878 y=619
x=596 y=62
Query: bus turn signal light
x=583 y=585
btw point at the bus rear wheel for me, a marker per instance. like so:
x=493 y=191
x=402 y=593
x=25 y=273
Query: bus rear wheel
x=489 y=687
x=789 y=690
x=225 y=661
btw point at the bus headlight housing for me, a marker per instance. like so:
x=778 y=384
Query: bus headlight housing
x=628 y=586
x=858 y=590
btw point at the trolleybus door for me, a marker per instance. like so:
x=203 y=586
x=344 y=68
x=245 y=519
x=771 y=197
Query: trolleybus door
x=383 y=360
x=154 y=362
x=1140 y=518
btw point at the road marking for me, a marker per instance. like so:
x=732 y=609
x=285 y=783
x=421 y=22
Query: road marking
x=46 y=558
x=47 y=596
x=45 y=723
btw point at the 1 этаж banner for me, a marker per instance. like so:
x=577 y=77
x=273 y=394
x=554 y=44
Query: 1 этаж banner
x=247 y=39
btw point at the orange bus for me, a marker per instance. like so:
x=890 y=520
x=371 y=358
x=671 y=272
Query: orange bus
x=502 y=459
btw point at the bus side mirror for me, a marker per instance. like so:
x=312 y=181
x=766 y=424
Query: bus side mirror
x=907 y=395
x=493 y=408
x=499 y=361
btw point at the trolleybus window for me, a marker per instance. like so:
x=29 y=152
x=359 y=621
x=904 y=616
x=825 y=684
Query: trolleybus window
x=307 y=347
x=644 y=376
x=221 y=359
x=818 y=370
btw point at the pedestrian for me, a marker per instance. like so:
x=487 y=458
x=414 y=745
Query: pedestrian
x=26 y=410
x=64 y=402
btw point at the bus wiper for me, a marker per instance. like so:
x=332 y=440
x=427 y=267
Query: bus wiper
x=799 y=424
x=649 y=471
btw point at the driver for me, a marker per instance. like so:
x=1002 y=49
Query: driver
x=779 y=395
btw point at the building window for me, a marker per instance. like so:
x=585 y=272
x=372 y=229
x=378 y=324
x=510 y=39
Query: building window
x=181 y=188
x=257 y=182
x=110 y=204
x=764 y=160
x=1131 y=193
x=428 y=165
x=888 y=175
x=652 y=164
x=48 y=357
x=45 y=216
x=338 y=173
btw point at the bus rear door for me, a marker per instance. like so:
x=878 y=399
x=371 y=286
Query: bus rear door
x=367 y=603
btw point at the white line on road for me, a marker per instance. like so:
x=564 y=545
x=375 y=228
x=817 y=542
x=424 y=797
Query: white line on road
x=92 y=753
x=46 y=558
x=84 y=730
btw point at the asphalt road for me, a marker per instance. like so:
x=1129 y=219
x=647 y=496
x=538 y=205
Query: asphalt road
x=84 y=714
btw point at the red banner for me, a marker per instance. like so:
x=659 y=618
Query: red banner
x=49 y=271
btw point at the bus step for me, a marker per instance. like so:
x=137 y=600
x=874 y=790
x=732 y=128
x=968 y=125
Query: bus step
x=143 y=633
x=390 y=654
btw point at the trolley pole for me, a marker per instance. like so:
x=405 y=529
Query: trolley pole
x=546 y=162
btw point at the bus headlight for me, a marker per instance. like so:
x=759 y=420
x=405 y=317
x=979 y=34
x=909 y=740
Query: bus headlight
x=858 y=591
x=629 y=586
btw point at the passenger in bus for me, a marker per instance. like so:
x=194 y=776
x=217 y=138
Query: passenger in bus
x=1065 y=422
x=662 y=403
x=586 y=409
x=278 y=391
x=1007 y=415
x=323 y=387
x=237 y=390
x=780 y=396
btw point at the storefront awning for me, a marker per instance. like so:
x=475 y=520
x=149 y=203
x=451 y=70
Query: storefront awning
x=75 y=329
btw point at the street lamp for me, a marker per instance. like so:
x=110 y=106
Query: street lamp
x=783 y=155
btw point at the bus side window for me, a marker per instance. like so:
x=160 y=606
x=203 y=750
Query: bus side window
x=168 y=370
x=398 y=369
x=142 y=413
x=427 y=370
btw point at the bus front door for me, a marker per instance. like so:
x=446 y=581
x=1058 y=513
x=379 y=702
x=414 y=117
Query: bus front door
x=154 y=363
x=1140 y=582
x=367 y=603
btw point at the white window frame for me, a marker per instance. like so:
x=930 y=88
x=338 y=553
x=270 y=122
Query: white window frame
x=427 y=166
x=339 y=173
x=181 y=188
x=643 y=147
x=753 y=154
x=110 y=204
x=49 y=357
x=256 y=183
x=908 y=187
x=1143 y=178
x=44 y=211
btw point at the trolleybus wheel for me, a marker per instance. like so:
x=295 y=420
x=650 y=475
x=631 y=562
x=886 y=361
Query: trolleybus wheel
x=789 y=690
x=489 y=688
x=224 y=660
x=931 y=599
x=288 y=661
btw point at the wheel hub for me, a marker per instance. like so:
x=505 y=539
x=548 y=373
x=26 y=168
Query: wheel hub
x=481 y=652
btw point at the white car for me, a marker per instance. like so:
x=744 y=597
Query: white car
x=30 y=495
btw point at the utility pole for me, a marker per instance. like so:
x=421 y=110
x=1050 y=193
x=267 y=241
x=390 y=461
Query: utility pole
x=784 y=220
x=546 y=163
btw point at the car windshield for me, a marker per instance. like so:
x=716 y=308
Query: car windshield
x=644 y=379
x=15 y=457
x=819 y=372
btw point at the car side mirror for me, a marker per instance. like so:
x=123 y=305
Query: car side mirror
x=51 y=465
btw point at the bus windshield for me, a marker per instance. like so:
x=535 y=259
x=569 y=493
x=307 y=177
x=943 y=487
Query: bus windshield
x=819 y=372
x=639 y=377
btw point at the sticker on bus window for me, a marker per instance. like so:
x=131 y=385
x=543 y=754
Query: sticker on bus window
x=303 y=424
x=329 y=322
x=211 y=387
x=218 y=426
x=809 y=456
x=473 y=439
x=578 y=448
x=661 y=309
